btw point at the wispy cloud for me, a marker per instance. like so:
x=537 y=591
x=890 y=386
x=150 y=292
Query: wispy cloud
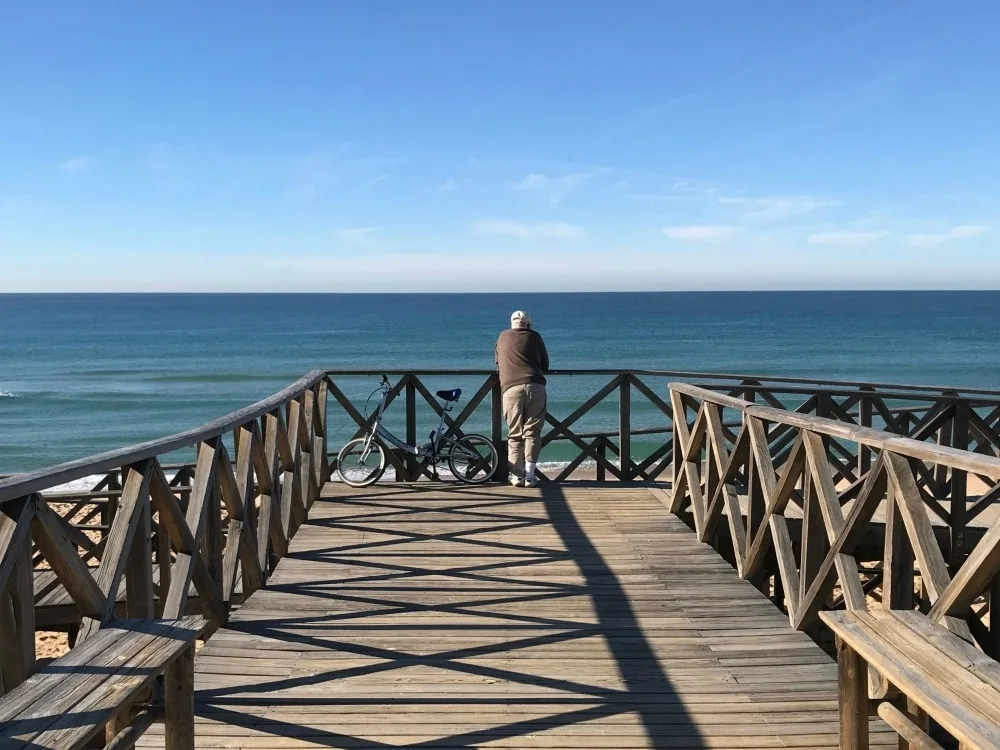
x=21 y=205
x=448 y=186
x=312 y=173
x=656 y=197
x=169 y=161
x=527 y=230
x=374 y=182
x=77 y=164
x=775 y=208
x=845 y=238
x=700 y=232
x=962 y=231
x=554 y=189
x=356 y=235
x=316 y=172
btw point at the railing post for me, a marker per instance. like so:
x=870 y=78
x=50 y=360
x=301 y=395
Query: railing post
x=676 y=449
x=993 y=647
x=865 y=413
x=496 y=428
x=323 y=468
x=213 y=536
x=897 y=562
x=959 y=487
x=17 y=617
x=852 y=677
x=178 y=699
x=411 y=427
x=602 y=450
x=813 y=535
x=625 y=427
x=139 y=567
x=944 y=438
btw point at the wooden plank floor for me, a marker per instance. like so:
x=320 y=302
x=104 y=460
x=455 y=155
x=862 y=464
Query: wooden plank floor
x=430 y=616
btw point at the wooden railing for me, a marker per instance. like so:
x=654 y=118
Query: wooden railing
x=153 y=540
x=826 y=514
x=968 y=419
x=254 y=473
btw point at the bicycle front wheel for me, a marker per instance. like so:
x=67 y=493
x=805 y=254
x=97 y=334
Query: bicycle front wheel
x=361 y=463
x=472 y=459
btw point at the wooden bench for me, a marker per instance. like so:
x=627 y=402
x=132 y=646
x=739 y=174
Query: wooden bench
x=938 y=674
x=66 y=703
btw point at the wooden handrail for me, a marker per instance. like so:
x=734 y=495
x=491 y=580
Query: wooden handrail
x=943 y=455
x=734 y=378
x=227 y=517
x=746 y=484
x=20 y=485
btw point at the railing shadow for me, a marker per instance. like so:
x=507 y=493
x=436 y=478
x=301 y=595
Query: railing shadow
x=491 y=595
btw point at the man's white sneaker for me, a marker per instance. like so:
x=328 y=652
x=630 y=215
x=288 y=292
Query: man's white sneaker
x=532 y=482
x=516 y=481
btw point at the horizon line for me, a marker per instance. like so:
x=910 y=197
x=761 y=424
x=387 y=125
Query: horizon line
x=503 y=292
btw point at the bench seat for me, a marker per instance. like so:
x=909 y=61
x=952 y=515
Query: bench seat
x=67 y=702
x=947 y=678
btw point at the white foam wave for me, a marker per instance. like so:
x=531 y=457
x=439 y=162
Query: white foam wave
x=86 y=484
x=9 y=394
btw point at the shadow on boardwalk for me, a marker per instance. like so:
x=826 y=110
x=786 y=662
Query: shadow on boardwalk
x=447 y=617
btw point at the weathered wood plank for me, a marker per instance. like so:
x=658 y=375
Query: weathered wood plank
x=134 y=502
x=173 y=519
x=443 y=616
x=937 y=685
x=15 y=530
x=139 y=587
x=178 y=702
x=852 y=677
x=62 y=556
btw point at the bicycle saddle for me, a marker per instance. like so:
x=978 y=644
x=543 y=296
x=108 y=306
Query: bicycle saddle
x=453 y=395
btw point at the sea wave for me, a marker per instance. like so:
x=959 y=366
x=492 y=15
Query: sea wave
x=9 y=394
x=220 y=378
x=86 y=484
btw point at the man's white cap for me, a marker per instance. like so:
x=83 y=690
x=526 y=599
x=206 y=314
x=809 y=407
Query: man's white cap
x=520 y=319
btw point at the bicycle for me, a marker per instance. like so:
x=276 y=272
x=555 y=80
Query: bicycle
x=472 y=459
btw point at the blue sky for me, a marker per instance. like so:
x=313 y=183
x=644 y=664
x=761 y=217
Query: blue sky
x=498 y=145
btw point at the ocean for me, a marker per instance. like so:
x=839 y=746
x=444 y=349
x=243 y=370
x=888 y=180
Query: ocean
x=81 y=374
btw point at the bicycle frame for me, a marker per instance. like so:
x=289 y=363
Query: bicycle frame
x=426 y=450
x=462 y=453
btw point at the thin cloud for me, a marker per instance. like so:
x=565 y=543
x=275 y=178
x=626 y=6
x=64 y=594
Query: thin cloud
x=775 y=208
x=699 y=232
x=526 y=230
x=374 y=182
x=656 y=197
x=356 y=235
x=845 y=238
x=960 y=232
x=77 y=164
x=555 y=189
x=448 y=186
x=21 y=205
x=169 y=161
x=313 y=173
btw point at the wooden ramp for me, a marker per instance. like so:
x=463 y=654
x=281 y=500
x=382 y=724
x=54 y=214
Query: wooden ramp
x=438 y=617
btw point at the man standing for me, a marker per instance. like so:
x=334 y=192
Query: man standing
x=522 y=361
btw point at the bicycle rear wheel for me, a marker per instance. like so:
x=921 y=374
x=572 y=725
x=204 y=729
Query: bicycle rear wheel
x=361 y=463
x=472 y=459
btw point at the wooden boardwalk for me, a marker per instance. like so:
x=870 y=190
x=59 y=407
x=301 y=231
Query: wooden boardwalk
x=432 y=616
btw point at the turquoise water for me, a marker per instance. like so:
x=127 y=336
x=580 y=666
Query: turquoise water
x=80 y=374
